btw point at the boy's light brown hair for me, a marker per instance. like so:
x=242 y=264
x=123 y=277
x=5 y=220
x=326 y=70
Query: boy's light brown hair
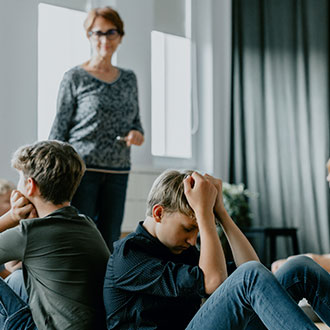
x=55 y=167
x=168 y=191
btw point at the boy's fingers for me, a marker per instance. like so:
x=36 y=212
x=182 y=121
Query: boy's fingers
x=187 y=184
x=14 y=195
x=33 y=214
x=18 y=199
x=215 y=181
x=26 y=210
x=208 y=178
x=21 y=201
x=197 y=176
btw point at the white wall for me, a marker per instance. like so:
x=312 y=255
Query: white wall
x=211 y=32
x=18 y=75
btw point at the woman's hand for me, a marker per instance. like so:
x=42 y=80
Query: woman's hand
x=134 y=137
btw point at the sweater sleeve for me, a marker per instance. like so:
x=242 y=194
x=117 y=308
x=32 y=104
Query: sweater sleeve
x=137 y=125
x=12 y=244
x=66 y=106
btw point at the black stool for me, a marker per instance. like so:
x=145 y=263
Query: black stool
x=271 y=233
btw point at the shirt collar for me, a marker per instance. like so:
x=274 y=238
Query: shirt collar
x=64 y=212
x=142 y=234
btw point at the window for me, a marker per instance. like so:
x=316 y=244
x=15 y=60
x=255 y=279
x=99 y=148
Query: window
x=171 y=96
x=62 y=44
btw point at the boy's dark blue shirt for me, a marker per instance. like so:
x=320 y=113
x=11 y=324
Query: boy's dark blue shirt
x=148 y=287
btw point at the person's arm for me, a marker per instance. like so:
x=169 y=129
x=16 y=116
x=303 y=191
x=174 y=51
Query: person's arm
x=201 y=195
x=12 y=238
x=12 y=244
x=66 y=105
x=241 y=248
x=322 y=259
x=13 y=265
x=21 y=208
x=136 y=134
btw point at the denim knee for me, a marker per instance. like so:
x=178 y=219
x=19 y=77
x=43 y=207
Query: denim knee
x=252 y=266
x=254 y=269
x=297 y=266
x=300 y=262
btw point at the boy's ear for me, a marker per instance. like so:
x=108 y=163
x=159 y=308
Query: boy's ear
x=31 y=187
x=157 y=212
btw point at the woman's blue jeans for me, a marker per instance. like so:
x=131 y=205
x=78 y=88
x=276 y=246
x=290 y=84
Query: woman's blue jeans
x=248 y=295
x=102 y=197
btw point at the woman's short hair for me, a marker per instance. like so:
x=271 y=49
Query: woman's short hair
x=55 y=166
x=108 y=14
x=168 y=191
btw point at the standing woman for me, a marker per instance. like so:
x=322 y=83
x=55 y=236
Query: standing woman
x=98 y=114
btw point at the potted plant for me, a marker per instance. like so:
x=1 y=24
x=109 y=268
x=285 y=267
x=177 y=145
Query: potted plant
x=236 y=202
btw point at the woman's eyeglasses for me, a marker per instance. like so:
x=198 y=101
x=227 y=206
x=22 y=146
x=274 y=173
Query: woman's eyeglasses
x=110 y=34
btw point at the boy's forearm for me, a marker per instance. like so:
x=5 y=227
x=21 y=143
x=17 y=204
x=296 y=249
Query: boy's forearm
x=6 y=222
x=13 y=265
x=241 y=248
x=212 y=260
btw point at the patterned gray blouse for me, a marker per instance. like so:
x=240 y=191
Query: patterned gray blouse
x=92 y=113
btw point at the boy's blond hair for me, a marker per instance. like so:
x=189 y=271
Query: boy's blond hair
x=55 y=167
x=6 y=186
x=168 y=191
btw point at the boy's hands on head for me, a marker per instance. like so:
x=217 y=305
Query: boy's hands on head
x=21 y=207
x=219 y=207
x=201 y=194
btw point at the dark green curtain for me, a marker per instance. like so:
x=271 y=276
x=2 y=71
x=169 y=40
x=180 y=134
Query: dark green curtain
x=280 y=114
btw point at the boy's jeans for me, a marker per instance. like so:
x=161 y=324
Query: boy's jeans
x=250 y=291
x=14 y=312
x=16 y=282
x=304 y=278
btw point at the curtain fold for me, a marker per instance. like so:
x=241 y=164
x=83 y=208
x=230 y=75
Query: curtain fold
x=280 y=114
